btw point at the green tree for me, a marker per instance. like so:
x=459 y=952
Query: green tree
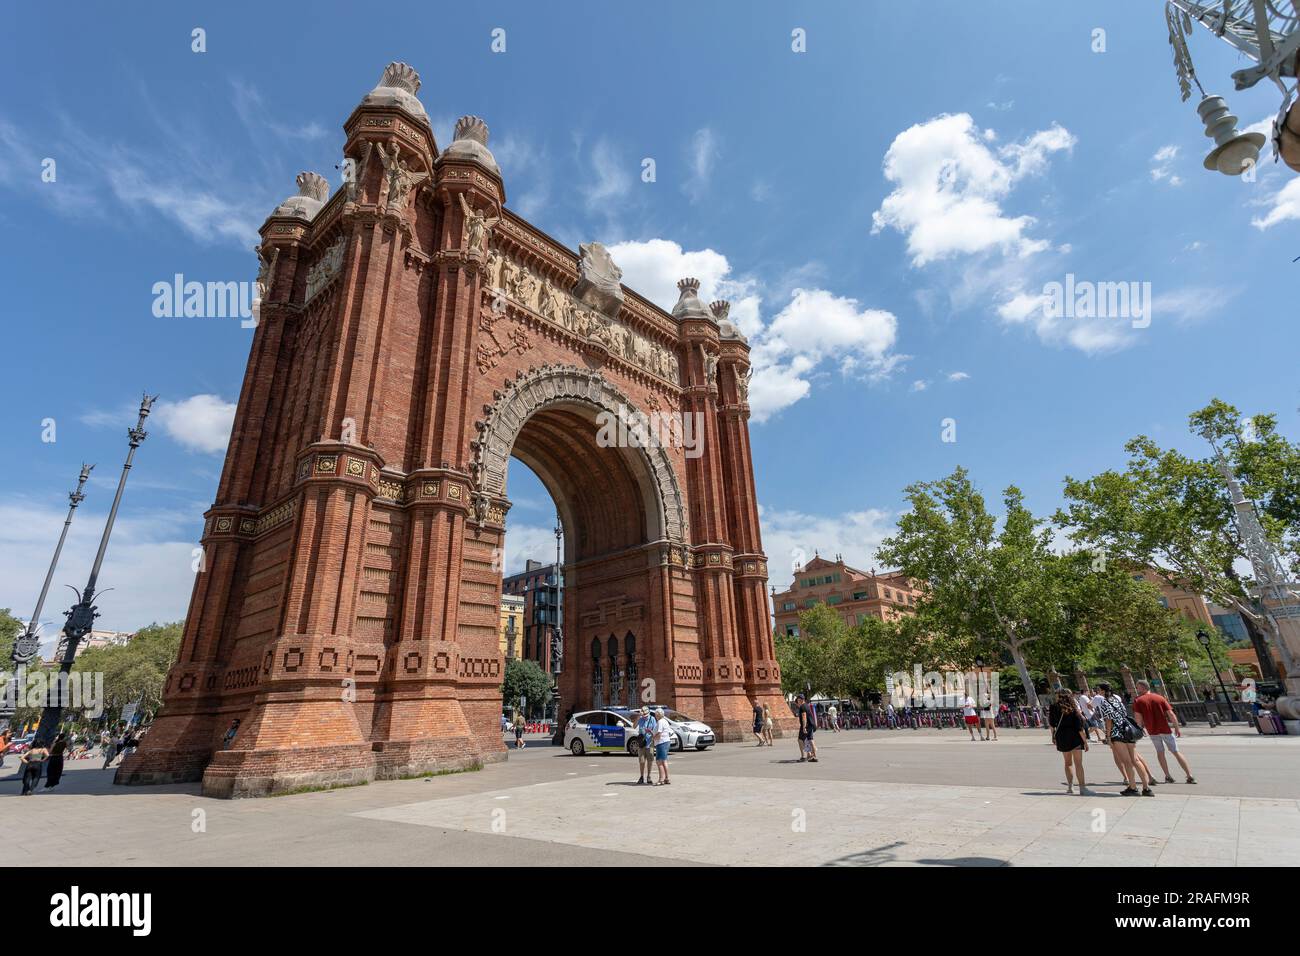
x=10 y=628
x=1172 y=514
x=1265 y=463
x=524 y=678
x=136 y=671
x=985 y=591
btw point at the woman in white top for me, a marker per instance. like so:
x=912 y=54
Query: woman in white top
x=989 y=717
x=664 y=735
x=968 y=715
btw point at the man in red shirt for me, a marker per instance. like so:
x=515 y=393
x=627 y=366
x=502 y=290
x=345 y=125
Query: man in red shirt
x=1158 y=719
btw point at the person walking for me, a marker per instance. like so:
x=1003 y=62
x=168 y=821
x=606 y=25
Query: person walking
x=832 y=718
x=758 y=725
x=768 y=723
x=969 y=716
x=1123 y=736
x=1157 y=718
x=807 y=715
x=519 y=729
x=1098 y=699
x=6 y=736
x=1070 y=735
x=33 y=761
x=54 y=766
x=1088 y=714
x=663 y=740
x=645 y=754
x=110 y=749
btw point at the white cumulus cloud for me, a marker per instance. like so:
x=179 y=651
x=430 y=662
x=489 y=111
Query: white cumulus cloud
x=949 y=184
x=814 y=330
x=200 y=422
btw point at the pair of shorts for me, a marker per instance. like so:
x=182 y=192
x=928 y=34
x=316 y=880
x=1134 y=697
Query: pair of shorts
x=661 y=751
x=519 y=733
x=1165 y=740
x=972 y=720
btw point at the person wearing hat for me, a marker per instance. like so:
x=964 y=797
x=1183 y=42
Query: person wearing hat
x=645 y=754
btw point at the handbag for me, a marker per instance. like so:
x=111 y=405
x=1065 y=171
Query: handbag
x=1124 y=729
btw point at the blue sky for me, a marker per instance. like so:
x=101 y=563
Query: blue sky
x=883 y=210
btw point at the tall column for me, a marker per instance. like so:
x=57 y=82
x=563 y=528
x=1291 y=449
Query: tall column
x=757 y=648
x=440 y=706
x=186 y=730
x=726 y=707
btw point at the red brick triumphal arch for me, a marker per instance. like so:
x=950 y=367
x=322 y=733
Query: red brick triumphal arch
x=413 y=336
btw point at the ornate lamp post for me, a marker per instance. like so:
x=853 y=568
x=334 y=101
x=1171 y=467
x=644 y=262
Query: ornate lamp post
x=82 y=616
x=25 y=647
x=1266 y=32
x=1205 y=643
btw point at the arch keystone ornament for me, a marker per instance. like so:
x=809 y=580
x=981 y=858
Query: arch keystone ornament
x=353 y=630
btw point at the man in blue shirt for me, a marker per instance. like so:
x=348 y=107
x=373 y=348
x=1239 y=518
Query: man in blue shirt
x=645 y=727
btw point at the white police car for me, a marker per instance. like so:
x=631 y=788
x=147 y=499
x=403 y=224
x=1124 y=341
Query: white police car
x=602 y=731
x=691 y=733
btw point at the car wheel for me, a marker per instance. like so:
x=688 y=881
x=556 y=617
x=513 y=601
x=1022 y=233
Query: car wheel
x=634 y=747
x=576 y=748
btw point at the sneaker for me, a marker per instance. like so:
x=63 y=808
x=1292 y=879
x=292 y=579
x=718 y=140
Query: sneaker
x=1084 y=791
x=1148 y=792
x=1191 y=779
x=1069 y=788
x=1168 y=779
x=812 y=759
x=1128 y=792
x=803 y=759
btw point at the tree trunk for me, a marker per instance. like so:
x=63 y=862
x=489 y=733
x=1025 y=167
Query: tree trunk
x=1019 y=659
x=1259 y=640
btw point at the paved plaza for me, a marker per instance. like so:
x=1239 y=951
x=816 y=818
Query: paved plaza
x=875 y=798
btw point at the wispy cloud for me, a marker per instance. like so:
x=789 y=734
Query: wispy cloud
x=1162 y=166
x=703 y=156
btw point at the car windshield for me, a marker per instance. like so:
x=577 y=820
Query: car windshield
x=677 y=717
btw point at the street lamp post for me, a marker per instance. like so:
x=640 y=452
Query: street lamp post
x=81 y=618
x=1205 y=643
x=26 y=645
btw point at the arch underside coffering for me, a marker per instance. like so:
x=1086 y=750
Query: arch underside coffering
x=548 y=418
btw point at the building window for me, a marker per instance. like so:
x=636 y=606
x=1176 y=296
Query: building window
x=788 y=606
x=629 y=646
x=597 y=681
x=834 y=599
x=791 y=630
x=860 y=595
x=615 y=676
x=811 y=602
